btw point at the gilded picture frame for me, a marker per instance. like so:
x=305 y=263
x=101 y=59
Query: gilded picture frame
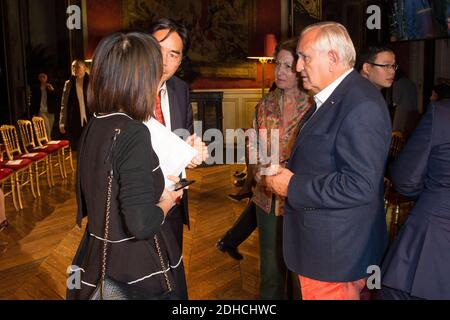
x=304 y=13
x=220 y=31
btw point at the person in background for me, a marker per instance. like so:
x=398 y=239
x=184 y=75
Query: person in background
x=74 y=114
x=44 y=102
x=246 y=223
x=142 y=251
x=334 y=223
x=279 y=112
x=439 y=92
x=417 y=264
x=378 y=65
x=406 y=116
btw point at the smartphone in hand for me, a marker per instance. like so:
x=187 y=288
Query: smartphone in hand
x=183 y=183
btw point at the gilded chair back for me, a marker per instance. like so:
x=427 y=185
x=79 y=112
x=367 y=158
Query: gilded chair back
x=397 y=144
x=39 y=129
x=27 y=134
x=10 y=140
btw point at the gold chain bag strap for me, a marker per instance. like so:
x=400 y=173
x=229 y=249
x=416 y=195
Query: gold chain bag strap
x=110 y=289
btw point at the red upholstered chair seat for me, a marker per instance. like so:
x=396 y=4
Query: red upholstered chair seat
x=23 y=163
x=5 y=173
x=63 y=143
x=34 y=156
x=48 y=148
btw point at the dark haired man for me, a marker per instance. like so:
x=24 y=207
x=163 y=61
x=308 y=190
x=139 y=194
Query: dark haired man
x=173 y=107
x=378 y=66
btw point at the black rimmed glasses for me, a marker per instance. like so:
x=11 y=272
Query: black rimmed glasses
x=386 y=67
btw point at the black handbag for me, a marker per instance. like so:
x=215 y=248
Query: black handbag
x=110 y=289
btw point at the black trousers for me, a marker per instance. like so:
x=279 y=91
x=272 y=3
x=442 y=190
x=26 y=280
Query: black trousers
x=242 y=228
x=175 y=221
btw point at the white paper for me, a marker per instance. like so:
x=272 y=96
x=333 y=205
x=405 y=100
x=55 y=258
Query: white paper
x=174 y=154
x=30 y=155
x=54 y=142
x=14 y=162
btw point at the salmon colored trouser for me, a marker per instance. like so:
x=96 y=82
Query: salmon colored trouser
x=320 y=290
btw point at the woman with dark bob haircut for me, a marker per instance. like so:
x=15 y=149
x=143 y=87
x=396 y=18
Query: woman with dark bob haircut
x=141 y=250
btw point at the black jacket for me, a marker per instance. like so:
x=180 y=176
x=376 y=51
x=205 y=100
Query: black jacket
x=36 y=94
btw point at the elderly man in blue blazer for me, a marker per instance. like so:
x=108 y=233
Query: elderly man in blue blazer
x=334 y=224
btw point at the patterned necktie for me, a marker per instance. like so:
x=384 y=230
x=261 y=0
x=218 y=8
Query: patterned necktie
x=158 y=110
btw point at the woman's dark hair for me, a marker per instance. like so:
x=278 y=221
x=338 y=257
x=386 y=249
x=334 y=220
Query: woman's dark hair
x=125 y=74
x=289 y=45
x=172 y=26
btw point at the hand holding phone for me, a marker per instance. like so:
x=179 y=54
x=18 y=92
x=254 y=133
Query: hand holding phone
x=183 y=183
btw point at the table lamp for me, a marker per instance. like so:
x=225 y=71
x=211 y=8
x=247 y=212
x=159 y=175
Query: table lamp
x=270 y=42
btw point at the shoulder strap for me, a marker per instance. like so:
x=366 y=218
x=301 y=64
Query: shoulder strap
x=108 y=205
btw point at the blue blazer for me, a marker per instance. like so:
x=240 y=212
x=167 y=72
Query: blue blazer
x=334 y=223
x=419 y=260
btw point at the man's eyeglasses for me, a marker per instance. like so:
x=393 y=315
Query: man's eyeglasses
x=386 y=67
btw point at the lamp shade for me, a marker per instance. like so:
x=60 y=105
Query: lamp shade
x=270 y=43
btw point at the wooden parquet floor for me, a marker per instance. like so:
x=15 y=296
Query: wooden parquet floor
x=42 y=239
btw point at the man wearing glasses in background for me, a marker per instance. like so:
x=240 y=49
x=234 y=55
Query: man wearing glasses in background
x=378 y=66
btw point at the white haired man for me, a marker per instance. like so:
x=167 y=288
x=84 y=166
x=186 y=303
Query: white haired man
x=334 y=223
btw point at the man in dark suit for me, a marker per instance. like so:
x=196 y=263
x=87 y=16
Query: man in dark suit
x=334 y=224
x=173 y=107
x=74 y=114
x=418 y=261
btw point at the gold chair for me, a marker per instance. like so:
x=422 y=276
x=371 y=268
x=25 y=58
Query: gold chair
x=21 y=166
x=61 y=145
x=393 y=199
x=397 y=144
x=29 y=146
x=7 y=176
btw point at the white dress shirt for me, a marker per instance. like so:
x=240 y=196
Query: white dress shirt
x=43 y=107
x=80 y=95
x=323 y=95
x=165 y=106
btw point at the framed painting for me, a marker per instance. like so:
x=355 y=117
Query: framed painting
x=304 y=13
x=220 y=31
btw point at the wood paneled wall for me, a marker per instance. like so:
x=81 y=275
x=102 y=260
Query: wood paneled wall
x=238 y=107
